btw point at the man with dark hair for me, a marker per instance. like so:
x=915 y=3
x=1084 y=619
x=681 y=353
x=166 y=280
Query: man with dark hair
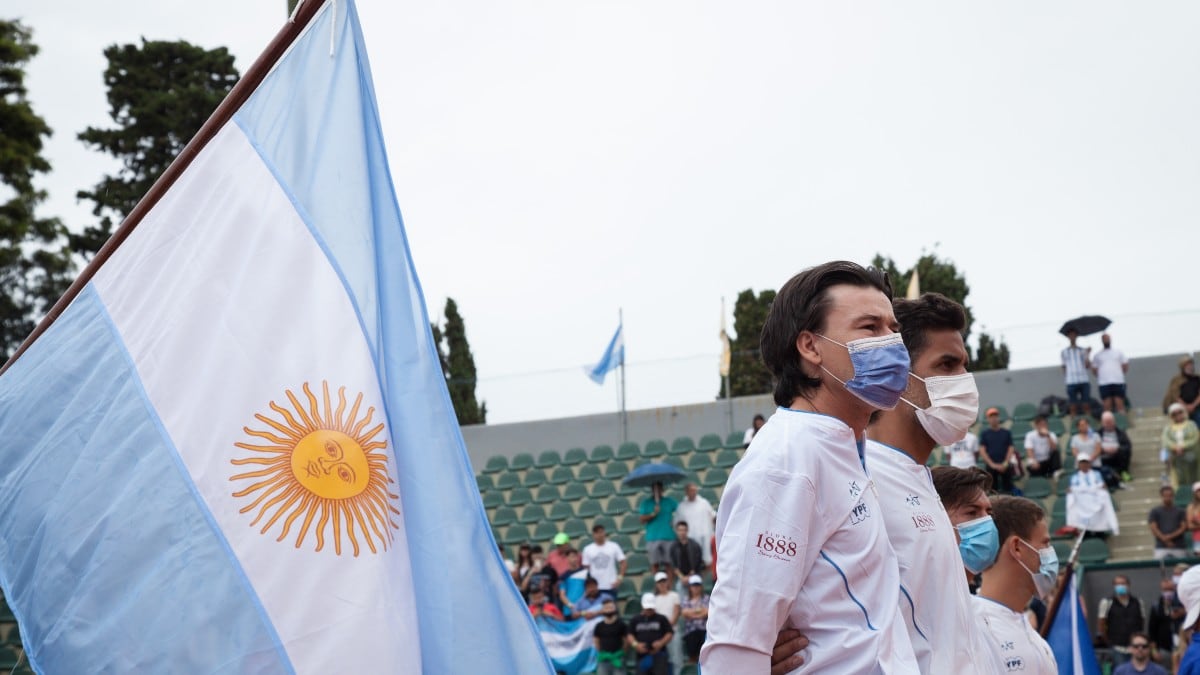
x=1168 y=524
x=1166 y=618
x=686 y=557
x=1139 y=663
x=1121 y=615
x=756 y=424
x=1025 y=567
x=1041 y=449
x=964 y=495
x=800 y=533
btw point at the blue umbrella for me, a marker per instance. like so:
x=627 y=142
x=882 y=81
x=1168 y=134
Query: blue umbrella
x=655 y=472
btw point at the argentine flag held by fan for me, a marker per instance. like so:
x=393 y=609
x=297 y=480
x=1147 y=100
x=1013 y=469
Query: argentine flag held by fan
x=234 y=450
x=1069 y=638
x=614 y=356
x=570 y=644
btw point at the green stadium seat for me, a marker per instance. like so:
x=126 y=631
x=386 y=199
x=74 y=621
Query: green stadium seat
x=726 y=459
x=521 y=462
x=516 y=535
x=682 y=446
x=711 y=495
x=1122 y=421
x=1063 y=550
x=548 y=459
x=627 y=451
x=508 y=480
x=576 y=529
x=618 y=506
x=1057 y=425
x=535 y=478
x=610 y=526
x=647 y=583
x=1037 y=487
x=626 y=490
x=627 y=589
x=709 y=443
x=496 y=464
x=544 y=532
x=8 y=657
x=1093 y=552
x=615 y=470
x=1018 y=431
x=630 y=524
x=674 y=460
x=655 y=448
x=588 y=473
x=1024 y=412
x=715 y=478
x=601 y=489
x=561 y=511
x=734 y=441
x=1182 y=498
x=1064 y=482
x=519 y=496
x=504 y=516
x=493 y=499
x=590 y=508
x=699 y=462
x=622 y=540
x=561 y=475
x=601 y=454
x=484 y=482
x=573 y=492
x=574 y=457
x=547 y=494
x=532 y=515
x=638 y=564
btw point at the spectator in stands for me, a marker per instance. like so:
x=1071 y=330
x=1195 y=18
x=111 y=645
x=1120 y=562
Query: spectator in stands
x=1168 y=522
x=1041 y=449
x=1120 y=616
x=1184 y=388
x=1075 y=371
x=1085 y=442
x=1189 y=594
x=1139 y=663
x=558 y=555
x=524 y=562
x=755 y=425
x=649 y=634
x=1110 y=366
x=998 y=452
x=1116 y=450
x=656 y=511
x=1025 y=566
x=572 y=584
x=666 y=601
x=540 y=605
x=609 y=636
x=1089 y=506
x=605 y=561
x=695 y=618
x=1166 y=618
x=1181 y=440
x=699 y=514
x=540 y=575
x=686 y=557
x=590 y=604
x=964 y=454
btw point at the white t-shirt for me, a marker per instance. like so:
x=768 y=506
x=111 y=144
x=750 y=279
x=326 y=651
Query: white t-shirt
x=801 y=542
x=666 y=604
x=747 y=437
x=1038 y=446
x=601 y=562
x=934 y=601
x=964 y=454
x=1108 y=364
x=698 y=514
x=1016 y=646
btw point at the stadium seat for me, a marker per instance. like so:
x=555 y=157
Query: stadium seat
x=575 y=456
x=548 y=459
x=734 y=441
x=561 y=511
x=496 y=464
x=711 y=495
x=715 y=478
x=508 y=480
x=726 y=459
x=590 y=508
x=519 y=496
x=1093 y=552
x=682 y=446
x=647 y=583
x=1057 y=425
x=629 y=525
x=601 y=454
x=493 y=499
x=532 y=515
x=573 y=492
x=521 y=461
x=516 y=535
x=543 y=533
x=1063 y=550
x=576 y=529
x=1018 y=431
x=627 y=451
x=626 y=490
x=709 y=443
x=1064 y=482
x=534 y=478
x=1037 y=487
x=601 y=489
x=615 y=470
x=484 y=482
x=1024 y=412
x=627 y=589
x=699 y=462
x=561 y=475
x=504 y=516
x=547 y=494
x=1182 y=498
x=1122 y=421
x=655 y=448
x=618 y=506
x=588 y=473
x=638 y=564
x=674 y=460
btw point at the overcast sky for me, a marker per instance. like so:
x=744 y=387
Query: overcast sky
x=558 y=160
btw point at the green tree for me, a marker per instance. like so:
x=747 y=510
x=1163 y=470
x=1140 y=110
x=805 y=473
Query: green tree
x=458 y=365
x=159 y=95
x=939 y=275
x=747 y=374
x=35 y=263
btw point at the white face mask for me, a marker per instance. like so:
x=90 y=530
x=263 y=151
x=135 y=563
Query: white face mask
x=953 y=407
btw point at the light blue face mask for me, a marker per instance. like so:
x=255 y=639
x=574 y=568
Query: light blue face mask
x=1047 y=575
x=880 y=369
x=979 y=542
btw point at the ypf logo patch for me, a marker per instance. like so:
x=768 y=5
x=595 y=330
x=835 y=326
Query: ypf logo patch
x=859 y=513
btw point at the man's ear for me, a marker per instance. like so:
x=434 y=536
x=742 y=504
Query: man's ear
x=806 y=346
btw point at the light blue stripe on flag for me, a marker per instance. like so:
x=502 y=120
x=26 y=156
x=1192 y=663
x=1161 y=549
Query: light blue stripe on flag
x=614 y=355
x=571 y=644
x=1069 y=638
x=87 y=479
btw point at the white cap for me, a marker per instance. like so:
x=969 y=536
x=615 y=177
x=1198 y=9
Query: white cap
x=660 y=576
x=647 y=601
x=1188 y=592
x=695 y=580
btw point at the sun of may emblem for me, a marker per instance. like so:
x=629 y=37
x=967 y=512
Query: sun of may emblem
x=323 y=464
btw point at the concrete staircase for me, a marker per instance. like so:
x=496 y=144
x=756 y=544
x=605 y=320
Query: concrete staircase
x=1134 y=503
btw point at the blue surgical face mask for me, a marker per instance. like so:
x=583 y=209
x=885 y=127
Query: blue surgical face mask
x=979 y=542
x=880 y=369
x=1121 y=589
x=1047 y=575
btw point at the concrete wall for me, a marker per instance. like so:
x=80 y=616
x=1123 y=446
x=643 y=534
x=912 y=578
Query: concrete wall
x=1148 y=377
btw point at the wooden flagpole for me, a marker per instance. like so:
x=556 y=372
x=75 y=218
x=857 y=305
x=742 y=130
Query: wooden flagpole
x=224 y=112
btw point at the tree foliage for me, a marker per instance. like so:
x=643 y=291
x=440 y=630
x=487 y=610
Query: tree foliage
x=747 y=374
x=159 y=95
x=458 y=365
x=35 y=263
x=938 y=275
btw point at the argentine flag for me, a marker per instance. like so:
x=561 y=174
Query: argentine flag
x=1069 y=638
x=234 y=451
x=614 y=355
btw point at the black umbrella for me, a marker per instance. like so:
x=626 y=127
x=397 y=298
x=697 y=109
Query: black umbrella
x=1086 y=325
x=656 y=472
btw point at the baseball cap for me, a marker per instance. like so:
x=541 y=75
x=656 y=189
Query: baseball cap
x=647 y=601
x=560 y=539
x=992 y=411
x=1188 y=592
x=695 y=580
x=1081 y=459
x=1176 y=407
x=660 y=576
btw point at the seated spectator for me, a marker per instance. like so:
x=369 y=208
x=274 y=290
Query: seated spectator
x=572 y=585
x=1168 y=523
x=686 y=557
x=1087 y=442
x=540 y=605
x=1139 y=658
x=1181 y=439
x=964 y=454
x=649 y=634
x=1115 y=447
x=755 y=425
x=540 y=574
x=1041 y=449
x=590 y=604
x=609 y=636
x=1088 y=505
x=695 y=618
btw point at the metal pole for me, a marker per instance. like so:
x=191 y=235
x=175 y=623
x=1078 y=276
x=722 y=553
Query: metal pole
x=624 y=416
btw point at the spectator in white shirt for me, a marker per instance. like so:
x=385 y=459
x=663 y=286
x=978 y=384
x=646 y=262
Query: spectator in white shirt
x=964 y=454
x=605 y=561
x=1041 y=449
x=1110 y=366
x=699 y=514
x=757 y=424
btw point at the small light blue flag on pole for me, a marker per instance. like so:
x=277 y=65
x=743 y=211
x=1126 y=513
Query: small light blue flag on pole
x=614 y=355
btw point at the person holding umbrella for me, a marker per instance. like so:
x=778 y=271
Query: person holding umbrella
x=656 y=512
